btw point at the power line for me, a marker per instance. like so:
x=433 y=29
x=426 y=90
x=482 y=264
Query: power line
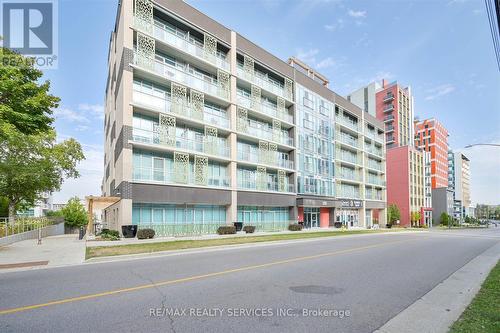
x=493 y=11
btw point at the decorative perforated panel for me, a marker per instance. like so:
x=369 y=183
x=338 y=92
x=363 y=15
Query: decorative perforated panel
x=166 y=129
x=201 y=170
x=197 y=104
x=209 y=47
x=263 y=151
x=179 y=98
x=282 y=181
x=255 y=97
x=276 y=130
x=145 y=51
x=144 y=15
x=289 y=88
x=281 y=105
x=271 y=155
x=224 y=83
x=248 y=67
x=242 y=120
x=181 y=167
x=211 y=140
x=261 y=181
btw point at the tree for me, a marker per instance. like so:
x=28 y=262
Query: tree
x=444 y=218
x=415 y=218
x=393 y=214
x=74 y=213
x=25 y=104
x=33 y=164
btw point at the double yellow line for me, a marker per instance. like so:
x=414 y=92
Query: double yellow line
x=186 y=279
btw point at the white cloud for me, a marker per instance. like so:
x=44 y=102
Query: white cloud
x=70 y=115
x=307 y=56
x=96 y=109
x=91 y=172
x=339 y=24
x=439 y=91
x=325 y=63
x=357 y=13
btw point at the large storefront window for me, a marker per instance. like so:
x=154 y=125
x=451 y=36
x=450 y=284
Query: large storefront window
x=145 y=214
x=348 y=217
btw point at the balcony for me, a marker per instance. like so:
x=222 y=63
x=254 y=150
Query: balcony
x=374 y=150
x=219 y=147
x=347 y=174
x=348 y=194
x=267 y=134
x=374 y=165
x=265 y=108
x=388 y=108
x=264 y=82
x=180 y=75
x=389 y=118
x=269 y=159
x=375 y=136
x=389 y=128
x=390 y=139
x=169 y=177
x=348 y=141
x=348 y=157
x=373 y=180
x=163 y=104
x=388 y=98
x=373 y=195
x=251 y=184
x=347 y=123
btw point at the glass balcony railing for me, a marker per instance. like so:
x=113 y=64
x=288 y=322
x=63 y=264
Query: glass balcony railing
x=374 y=165
x=374 y=180
x=170 y=177
x=348 y=123
x=374 y=150
x=264 y=82
x=373 y=195
x=388 y=108
x=271 y=159
x=349 y=175
x=389 y=118
x=345 y=156
x=265 y=108
x=268 y=134
x=217 y=147
x=348 y=141
x=163 y=104
x=348 y=194
x=204 y=84
x=186 y=45
x=388 y=98
x=375 y=136
x=251 y=184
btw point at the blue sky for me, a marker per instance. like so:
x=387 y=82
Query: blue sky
x=442 y=48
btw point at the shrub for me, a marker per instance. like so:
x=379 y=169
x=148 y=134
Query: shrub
x=295 y=227
x=74 y=213
x=226 y=230
x=145 y=233
x=109 y=234
x=249 y=229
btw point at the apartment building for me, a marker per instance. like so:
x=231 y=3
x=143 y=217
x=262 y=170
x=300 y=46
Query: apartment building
x=456 y=212
x=426 y=210
x=365 y=98
x=202 y=129
x=405 y=182
x=462 y=184
x=432 y=136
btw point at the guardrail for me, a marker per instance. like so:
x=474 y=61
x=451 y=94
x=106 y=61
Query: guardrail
x=28 y=228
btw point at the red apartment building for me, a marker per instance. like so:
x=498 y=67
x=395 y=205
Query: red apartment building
x=431 y=136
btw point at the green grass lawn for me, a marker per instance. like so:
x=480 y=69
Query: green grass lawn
x=103 y=251
x=483 y=314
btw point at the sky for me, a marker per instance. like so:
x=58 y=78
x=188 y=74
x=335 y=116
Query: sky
x=441 y=48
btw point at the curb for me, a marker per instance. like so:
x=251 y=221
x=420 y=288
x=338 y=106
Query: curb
x=436 y=311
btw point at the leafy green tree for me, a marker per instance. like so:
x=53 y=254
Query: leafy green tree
x=33 y=164
x=25 y=102
x=74 y=213
x=415 y=218
x=393 y=214
x=444 y=218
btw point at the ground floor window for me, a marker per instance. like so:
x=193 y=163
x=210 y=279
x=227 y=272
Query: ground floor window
x=144 y=214
x=348 y=217
x=250 y=214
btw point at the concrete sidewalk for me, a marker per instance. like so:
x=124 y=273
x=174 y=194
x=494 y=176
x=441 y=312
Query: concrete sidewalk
x=54 y=251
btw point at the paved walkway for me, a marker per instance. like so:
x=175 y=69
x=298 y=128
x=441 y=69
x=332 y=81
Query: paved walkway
x=54 y=251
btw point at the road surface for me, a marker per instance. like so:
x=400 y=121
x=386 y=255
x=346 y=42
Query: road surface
x=340 y=284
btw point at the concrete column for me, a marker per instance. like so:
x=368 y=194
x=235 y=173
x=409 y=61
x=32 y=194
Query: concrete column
x=232 y=210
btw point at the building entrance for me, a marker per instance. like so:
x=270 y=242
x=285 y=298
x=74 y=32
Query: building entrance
x=311 y=217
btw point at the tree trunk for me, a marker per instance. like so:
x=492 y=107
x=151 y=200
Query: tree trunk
x=12 y=212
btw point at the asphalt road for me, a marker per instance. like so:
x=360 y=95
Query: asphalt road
x=367 y=279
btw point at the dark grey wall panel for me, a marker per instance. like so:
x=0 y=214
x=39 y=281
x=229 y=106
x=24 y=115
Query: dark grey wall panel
x=265 y=199
x=180 y=195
